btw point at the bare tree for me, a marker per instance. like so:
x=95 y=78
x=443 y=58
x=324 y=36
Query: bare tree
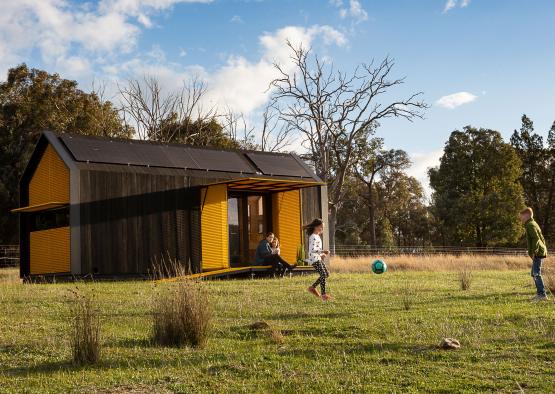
x=165 y=116
x=331 y=110
x=275 y=134
x=372 y=161
x=235 y=125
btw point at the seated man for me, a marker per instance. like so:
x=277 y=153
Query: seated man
x=265 y=256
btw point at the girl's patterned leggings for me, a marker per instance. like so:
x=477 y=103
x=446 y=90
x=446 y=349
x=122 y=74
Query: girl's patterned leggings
x=322 y=270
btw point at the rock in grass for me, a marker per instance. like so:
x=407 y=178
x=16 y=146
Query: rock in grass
x=259 y=325
x=450 y=344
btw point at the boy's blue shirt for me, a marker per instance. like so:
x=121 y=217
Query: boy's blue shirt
x=263 y=250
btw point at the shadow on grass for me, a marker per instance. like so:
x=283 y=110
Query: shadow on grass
x=131 y=343
x=304 y=315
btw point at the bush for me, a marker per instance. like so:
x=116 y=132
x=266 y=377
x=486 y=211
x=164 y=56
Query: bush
x=85 y=329
x=181 y=316
x=465 y=278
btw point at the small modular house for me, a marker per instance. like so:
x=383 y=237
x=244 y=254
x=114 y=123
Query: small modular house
x=110 y=207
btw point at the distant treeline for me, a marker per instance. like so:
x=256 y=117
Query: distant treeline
x=479 y=187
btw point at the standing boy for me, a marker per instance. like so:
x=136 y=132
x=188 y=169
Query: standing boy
x=537 y=250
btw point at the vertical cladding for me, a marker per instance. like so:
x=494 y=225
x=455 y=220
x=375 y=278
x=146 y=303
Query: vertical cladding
x=50 y=251
x=214 y=228
x=131 y=219
x=50 y=181
x=287 y=222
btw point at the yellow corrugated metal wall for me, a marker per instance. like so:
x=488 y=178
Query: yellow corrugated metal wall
x=287 y=222
x=49 y=249
x=50 y=182
x=214 y=228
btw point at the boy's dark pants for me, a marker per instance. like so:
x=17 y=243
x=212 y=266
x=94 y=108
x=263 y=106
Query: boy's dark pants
x=279 y=265
x=537 y=275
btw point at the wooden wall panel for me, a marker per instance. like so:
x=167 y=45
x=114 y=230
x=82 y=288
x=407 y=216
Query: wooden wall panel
x=50 y=251
x=214 y=228
x=50 y=181
x=286 y=208
x=131 y=219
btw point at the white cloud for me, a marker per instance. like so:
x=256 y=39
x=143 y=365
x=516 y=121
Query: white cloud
x=240 y=84
x=421 y=162
x=243 y=85
x=455 y=100
x=353 y=9
x=61 y=30
x=450 y=4
x=236 y=19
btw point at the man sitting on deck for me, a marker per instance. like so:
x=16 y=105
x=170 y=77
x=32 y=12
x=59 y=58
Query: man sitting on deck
x=265 y=256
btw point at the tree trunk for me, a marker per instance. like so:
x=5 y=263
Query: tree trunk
x=549 y=209
x=479 y=242
x=371 y=215
x=332 y=221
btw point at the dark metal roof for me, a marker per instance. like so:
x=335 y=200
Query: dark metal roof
x=140 y=153
x=272 y=165
x=87 y=149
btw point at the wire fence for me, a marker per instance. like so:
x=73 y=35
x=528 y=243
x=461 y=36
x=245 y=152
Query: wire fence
x=9 y=256
x=368 y=250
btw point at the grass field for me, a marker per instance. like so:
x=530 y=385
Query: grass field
x=364 y=341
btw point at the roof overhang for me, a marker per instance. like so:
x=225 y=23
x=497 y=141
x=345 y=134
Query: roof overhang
x=40 y=207
x=266 y=184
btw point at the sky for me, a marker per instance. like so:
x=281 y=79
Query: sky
x=478 y=62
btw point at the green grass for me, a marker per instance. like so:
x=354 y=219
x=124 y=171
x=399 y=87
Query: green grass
x=364 y=341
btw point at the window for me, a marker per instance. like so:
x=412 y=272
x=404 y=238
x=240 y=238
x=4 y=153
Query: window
x=50 y=219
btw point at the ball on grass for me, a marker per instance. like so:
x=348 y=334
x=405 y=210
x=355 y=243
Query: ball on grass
x=379 y=266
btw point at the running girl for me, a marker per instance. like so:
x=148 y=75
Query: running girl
x=316 y=255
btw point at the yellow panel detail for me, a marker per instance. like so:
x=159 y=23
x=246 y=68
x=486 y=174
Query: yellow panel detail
x=50 y=251
x=215 y=249
x=286 y=208
x=50 y=181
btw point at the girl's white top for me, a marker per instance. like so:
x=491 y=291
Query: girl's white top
x=276 y=250
x=314 y=248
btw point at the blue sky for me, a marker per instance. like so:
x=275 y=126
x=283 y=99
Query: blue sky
x=478 y=62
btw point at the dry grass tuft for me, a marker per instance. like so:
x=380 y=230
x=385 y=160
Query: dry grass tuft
x=182 y=316
x=168 y=267
x=265 y=329
x=549 y=277
x=440 y=262
x=465 y=278
x=85 y=329
x=9 y=276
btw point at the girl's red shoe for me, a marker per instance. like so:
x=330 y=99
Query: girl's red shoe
x=326 y=297
x=313 y=291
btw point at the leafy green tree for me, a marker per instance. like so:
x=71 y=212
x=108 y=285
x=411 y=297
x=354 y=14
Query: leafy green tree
x=403 y=202
x=31 y=101
x=476 y=191
x=384 y=232
x=538 y=176
x=372 y=160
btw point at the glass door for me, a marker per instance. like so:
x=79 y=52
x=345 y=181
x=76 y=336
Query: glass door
x=248 y=220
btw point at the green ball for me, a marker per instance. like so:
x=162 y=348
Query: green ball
x=379 y=266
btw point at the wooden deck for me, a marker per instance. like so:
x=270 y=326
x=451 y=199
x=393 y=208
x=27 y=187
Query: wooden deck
x=234 y=271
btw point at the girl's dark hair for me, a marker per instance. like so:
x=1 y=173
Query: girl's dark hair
x=312 y=225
